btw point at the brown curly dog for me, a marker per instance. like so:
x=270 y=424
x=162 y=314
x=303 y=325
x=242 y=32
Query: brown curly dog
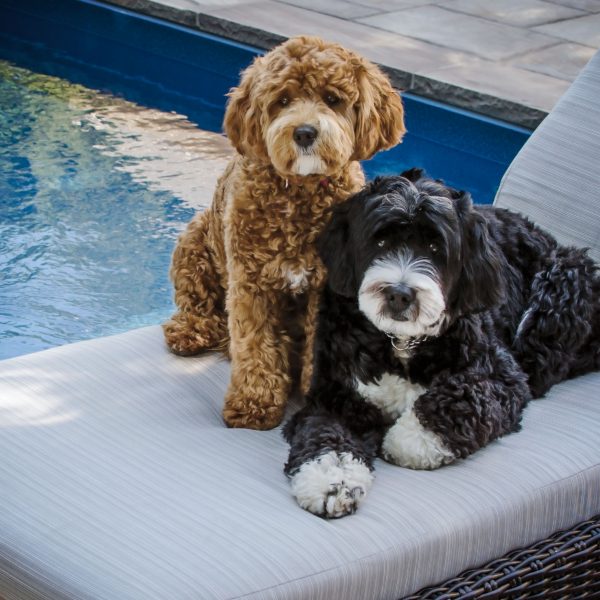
x=246 y=273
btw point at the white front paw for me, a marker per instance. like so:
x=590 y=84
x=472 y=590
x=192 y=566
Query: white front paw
x=408 y=444
x=332 y=485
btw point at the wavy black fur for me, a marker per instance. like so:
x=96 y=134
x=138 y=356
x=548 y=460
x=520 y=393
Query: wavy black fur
x=521 y=314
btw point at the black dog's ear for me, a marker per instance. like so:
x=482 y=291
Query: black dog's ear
x=481 y=284
x=334 y=250
x=413 y=174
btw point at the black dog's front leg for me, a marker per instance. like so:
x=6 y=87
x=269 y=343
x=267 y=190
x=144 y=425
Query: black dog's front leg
x=459 y=414
x=330 y=462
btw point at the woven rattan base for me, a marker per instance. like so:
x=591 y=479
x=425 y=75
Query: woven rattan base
x=566 y=566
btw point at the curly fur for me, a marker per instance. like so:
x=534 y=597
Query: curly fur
x=246 y=272
x=515 y=313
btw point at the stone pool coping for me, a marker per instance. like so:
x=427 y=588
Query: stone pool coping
x=183 y=12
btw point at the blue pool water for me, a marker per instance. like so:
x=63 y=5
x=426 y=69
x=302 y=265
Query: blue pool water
x=96 y=180
x=84 y=247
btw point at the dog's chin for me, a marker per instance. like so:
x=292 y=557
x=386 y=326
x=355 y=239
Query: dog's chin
x=309 y=164
x=296 y=164
x=407 y=328
x=428 y=321
x=411 y=329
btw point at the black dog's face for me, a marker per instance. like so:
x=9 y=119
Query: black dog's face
x=406 y=257
x=413 y=252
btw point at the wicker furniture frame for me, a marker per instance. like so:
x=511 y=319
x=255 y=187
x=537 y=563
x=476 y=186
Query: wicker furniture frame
x=566 y=565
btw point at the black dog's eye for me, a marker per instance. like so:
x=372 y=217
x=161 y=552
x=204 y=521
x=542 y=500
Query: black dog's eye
x=284 y=100
x=434 y=248
x=381 y=243
x=331 y=99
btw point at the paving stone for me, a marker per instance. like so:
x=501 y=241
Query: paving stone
x=383 y=47
x=217 y=3
x=490 y=57
x=390 y=5
x=533 y=89
x=583 y=30
x=520 y=13
x=479 y=102
x=336 y=8
x=484 y=38
x=588 y=5
x=563 y=61
x=182 y=12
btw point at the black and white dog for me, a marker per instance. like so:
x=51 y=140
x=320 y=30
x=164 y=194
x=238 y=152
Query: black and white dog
x=440 y=320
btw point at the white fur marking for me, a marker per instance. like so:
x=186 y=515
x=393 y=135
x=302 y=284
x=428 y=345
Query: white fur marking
x=309 y=164
x=418 y=274
x=390 y=393
x=332 y=485
x=298 y=279
x=408 y=444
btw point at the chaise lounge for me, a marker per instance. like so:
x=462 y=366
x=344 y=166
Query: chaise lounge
x=118 y=479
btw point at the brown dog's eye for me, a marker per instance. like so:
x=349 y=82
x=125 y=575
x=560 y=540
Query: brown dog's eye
x=284 y=100
x=331 y=99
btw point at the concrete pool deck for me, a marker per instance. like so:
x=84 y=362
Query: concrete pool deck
x=510 y=59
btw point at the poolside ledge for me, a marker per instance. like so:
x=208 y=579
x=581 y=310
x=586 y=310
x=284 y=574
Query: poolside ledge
x=511 y=63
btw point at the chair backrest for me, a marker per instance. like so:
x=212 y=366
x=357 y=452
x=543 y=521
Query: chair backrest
x=555 y=178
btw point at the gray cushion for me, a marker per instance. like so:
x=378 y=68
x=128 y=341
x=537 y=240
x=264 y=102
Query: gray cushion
x=555 y=178
x=118 y=481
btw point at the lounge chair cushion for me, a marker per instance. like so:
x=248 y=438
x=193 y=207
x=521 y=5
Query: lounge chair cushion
x=555 y=178
x=118 y=480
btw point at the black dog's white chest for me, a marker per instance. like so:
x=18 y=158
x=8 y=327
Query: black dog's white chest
x=392 y=394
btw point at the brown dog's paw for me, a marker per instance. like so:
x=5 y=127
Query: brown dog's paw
x=184 y=341
x=251 y=413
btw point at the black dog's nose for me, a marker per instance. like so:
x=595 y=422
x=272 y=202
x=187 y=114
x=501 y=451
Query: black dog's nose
x=399 y=297
x=305 y=135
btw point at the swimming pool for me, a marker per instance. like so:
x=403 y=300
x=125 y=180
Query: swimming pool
x=108 y=124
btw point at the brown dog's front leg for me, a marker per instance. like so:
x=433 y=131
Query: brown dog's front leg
x=200 y=322
x=310 y=326
x=260 y=378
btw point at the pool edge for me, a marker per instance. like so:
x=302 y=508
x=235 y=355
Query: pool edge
x=472 y=100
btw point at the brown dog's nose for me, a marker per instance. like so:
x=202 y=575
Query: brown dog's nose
x=305 y=135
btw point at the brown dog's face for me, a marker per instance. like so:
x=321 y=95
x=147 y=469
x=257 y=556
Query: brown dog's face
x=309 y=107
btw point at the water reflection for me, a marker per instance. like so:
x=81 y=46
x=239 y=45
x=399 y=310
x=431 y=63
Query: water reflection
x=93 y=192
x=163 y=151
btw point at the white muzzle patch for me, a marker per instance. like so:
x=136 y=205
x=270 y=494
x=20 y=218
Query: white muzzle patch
x=424 y=317
x=309 y=163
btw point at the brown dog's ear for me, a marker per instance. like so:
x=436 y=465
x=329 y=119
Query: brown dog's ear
x=242 y=115
x=379 y=112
